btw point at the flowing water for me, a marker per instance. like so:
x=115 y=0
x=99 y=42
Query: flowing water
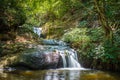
x=60 y=74
x=38 y=31
x=71 y=70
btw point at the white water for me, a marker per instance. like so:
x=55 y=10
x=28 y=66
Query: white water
x=72 y=62
x=64 y=60
x=38 y=31
x=54 y=42
x=69 y=59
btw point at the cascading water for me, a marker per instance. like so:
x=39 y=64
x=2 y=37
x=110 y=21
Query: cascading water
x=69 y=59
x=63 y=59
x=68 y=55
x=38 y=31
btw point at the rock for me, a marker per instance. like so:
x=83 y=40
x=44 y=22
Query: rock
x=37 y=60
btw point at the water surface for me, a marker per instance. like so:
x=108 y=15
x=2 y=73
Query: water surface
x=60 y=74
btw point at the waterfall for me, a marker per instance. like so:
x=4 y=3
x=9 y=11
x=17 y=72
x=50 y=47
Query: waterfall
x=68 y=56
x=54 y=42
x=63 y=59
x=72 y=62
x=69 y=59
x=38 y=31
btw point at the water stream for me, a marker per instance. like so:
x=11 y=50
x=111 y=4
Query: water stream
x=71 y=69
x=69 y=59
x=38 y=31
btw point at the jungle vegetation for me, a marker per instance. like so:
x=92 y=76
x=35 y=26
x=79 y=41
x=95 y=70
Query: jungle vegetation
x=92 y=27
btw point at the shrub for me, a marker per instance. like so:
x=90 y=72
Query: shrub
x=77 y=37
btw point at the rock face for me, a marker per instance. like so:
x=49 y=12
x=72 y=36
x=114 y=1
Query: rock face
x=37 y=60
x=43 y=57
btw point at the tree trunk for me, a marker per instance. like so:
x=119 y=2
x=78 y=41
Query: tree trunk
x=100 y=7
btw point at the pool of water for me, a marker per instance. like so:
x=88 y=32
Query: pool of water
x=60 y=74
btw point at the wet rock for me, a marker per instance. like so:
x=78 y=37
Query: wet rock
x=37 y=60
x=53 y=42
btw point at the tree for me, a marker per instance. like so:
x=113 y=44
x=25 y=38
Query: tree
x=12 y=15
x=100 y=7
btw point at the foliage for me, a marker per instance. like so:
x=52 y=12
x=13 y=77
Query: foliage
x=82 y=24
x=96 y=34
x=27 y=32
x=50 y=10
x=112 y=10
x=58 y=16
x=90 y=44
x=100 y=9
x=14 y=48
x=102 y=50
x=11 y=14
x=77 y=37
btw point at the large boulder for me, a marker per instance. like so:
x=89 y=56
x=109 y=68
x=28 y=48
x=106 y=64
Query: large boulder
x=35 y=59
